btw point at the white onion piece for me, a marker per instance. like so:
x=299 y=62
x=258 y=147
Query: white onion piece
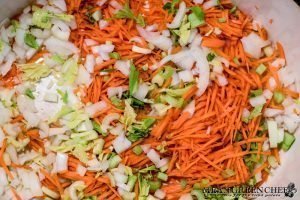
x=222 y=80
x=272 y=83
x=61 y=162
x=253 y=44
x=142 y=92
x=162 y=162
x=61 y=4
x=156 y=39
x=175 y=79
x=115 y=5
x=267 y=94
x=20 y=34
x=257 y=101
x=187 y=196
x=136 y=39
x=60 y=47
x=183 y=59
x=186 y=76
x=198 y=1
x=61 y=30
x=271 y=112
x=108 y=119
x=92 y=109
x=279 y=62
x=190 y=108
x=146 y=148
x=121 y=144
x=290 y=124
x=166 y=33
x=118 y=129
x=9 y=60
x=286 y=76
x=151 y=28
x=246 y=113
x=81 y=170
x=90 y=63
x=83 y=77
x=43 y=34
x=202 y=68
x=5 y=115
x=179 y=16
x=209 y=4
x=103 y=24
x=2 y=137
x=57 y=131
x=12 y=152
x=104 y=48
x=3 y=177
x=123 y=66
x=90 y=42
x=120 y=177
x=153 y=156
x=101 y=2
x=140 y=50
x=116 y=91
x=160 y=194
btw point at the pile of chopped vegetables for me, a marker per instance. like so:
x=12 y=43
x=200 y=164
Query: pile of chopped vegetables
x=113 y=99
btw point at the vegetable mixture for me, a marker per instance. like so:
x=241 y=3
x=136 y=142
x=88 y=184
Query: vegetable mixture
x=143 y=100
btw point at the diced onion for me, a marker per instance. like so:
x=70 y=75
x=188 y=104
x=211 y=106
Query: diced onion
x=272 y=83
x=279 y=62
x=271 y=112
x=142 y=92
x=108 y=119
x=83 y=77
x=178 y=17
x=146 y=148
x=116 y=91
x=160 y=194
x=50 y=193
x=90 y=42
x=273 y=133
x=187 y=196
x=186 y=76
x=121 y=143
x=222 y=80
x=162 y=162
x=253 y=44
x=267 y=94
x=61 y=4
x=123 y=66
x=61 y=30
x=61 y=162
x=57 y=131
x=140 y=50
x=209 y=4
x=90 y=63
x=81 y=170
x=136 y=39
x=153 y=156
x=103 y=24
x=92 y=109
x=190 y=108
x=257 y=101
x=60 y=47
x=156 y=39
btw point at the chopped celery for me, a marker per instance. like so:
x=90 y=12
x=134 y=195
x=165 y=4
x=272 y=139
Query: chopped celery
x=210 y=57
x=114 y=55
x=278 y=97
x=147 y=169
x=288 y=141
x=133 y=79
x=137 y=150
x=28 y=92
x=198 y=193
x=154 y=185
x=222 y=20
x=131 y=182
x=114 y=161
x=30 y=40
x=162 y=176
x=97 y=127
x=34 y=71
x=167 y=72
x=183 y=183
x=227 y=173
x=196 y=18
x=261 y=69
x=255 y=93
x=196 y=186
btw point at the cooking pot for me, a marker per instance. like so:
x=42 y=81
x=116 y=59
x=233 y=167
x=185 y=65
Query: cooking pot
x=282 y=20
